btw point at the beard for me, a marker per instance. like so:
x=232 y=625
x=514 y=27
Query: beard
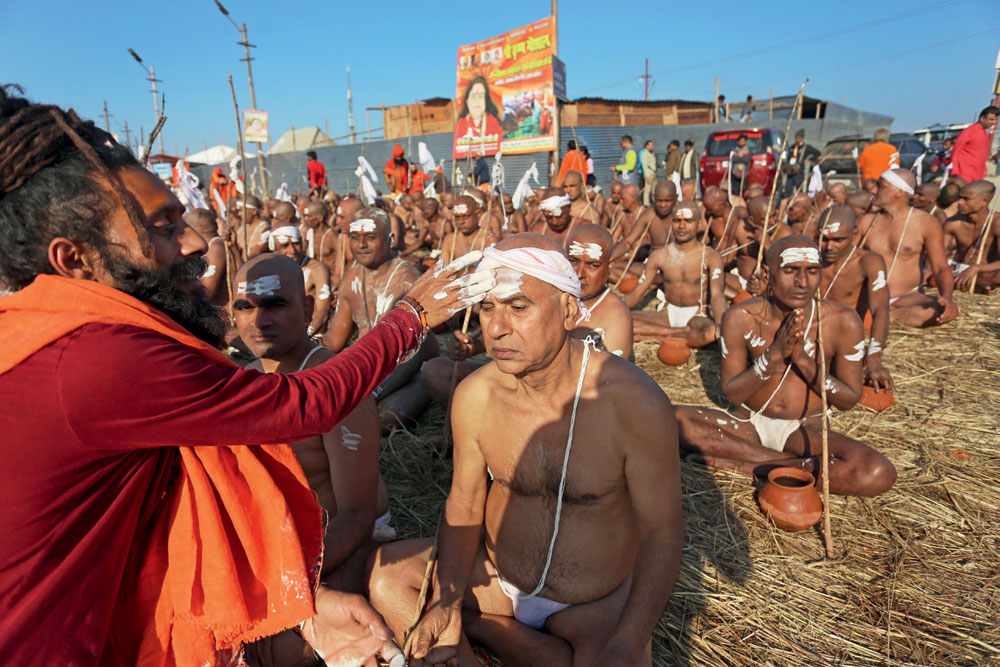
x=166 y=289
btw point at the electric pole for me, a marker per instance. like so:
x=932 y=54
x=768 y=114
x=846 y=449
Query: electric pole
x=350 y=106
x=645 y=79
x=245 y=43
x=107 y=116
x=151 y=77
x=127 y=140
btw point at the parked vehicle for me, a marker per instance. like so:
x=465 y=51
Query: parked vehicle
x=764 y=145
x=910 y=148
x=934 y=135
x=839 y=160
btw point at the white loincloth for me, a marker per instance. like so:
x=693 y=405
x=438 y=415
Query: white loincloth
x=383 y=530
x=679 y=316
x=773 y=433
x=529 y=611
x=918 y=288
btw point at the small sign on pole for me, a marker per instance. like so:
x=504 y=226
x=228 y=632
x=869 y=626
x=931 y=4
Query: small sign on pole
x=255 y=126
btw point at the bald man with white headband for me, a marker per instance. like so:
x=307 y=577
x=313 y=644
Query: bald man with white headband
x=556 y=220
x=905 y=236
x=287 y=240
x=570 y=556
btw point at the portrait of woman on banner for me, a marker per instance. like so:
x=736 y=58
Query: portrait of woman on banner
x=478 y=121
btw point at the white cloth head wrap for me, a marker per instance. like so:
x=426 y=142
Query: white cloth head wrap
x=549 y=266
x=889 y=176
x=555 y=204
x=290 y=232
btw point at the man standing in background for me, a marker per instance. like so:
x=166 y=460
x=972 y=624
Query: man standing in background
x=627 y=168
x=878 y=157
x=317 y=174
x=972 y=147
x=647 y=161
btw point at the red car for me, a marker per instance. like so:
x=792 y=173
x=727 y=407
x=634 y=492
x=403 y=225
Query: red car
x=764 y=145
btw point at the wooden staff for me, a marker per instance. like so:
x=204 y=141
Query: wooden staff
x=243 y=162
x=825 y=464
x=465 y=330
x=982 y=239
x=635 y=251
x=422 y=597
x=777 y=172
x=616 y=220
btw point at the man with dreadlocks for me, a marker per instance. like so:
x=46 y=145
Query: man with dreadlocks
x=142 y=521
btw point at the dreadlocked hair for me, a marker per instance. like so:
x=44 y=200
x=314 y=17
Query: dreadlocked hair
x=55 y=171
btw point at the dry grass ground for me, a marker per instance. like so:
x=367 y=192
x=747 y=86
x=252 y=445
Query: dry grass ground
x=916 y=580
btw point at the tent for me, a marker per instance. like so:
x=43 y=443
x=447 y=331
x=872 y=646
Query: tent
x=300 y=140
x=214 y=155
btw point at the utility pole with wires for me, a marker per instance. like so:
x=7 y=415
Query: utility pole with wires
x=151 y=77
x=127 y=140
x=645 y=79
x=107 y=117
x=350 y=107
x=245 y=43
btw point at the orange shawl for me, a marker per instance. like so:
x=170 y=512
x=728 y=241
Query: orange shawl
x=234 y=551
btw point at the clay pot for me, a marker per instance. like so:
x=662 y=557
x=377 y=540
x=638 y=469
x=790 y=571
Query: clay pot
x=876 y=400
x=673 y=351
x=742 y=296
x=428 y=262
x=790 y=499
x=628 y=284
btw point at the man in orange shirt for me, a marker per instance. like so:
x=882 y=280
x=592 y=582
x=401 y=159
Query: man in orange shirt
x=878 y=156
x=418 y=179
x=396 y=171
x=573 y=161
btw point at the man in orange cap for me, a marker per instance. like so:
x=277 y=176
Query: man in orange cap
x=396 y=171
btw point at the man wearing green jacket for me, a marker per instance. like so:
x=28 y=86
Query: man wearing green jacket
x=627 y=170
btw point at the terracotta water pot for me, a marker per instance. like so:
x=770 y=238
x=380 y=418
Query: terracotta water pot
x=673 y=351
x=742 y=296
x=876 y=400
x=428 y=262
x=790 y=499
x=628 y=284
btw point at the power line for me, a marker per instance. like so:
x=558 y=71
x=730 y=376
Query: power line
x=795 y=42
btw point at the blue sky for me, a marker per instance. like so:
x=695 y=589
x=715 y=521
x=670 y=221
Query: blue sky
x=922 y=62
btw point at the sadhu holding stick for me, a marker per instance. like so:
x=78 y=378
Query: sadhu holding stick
x=148 y=515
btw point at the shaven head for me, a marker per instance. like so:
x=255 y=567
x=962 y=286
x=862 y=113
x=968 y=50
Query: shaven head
x=838 y=217
x=983 y=189
x=284 y=212
x=798 y=207
x=202 y=221
x=837 y=192
x=889 y=192
x=630 y=195
x=589 y=247
x=573 y=182
x=753 y=190
x=526 y=320
x=860 y=201
x=925 y=195
x=757 y=210
x=777 y=255
x=269 y=305
x=716 y=200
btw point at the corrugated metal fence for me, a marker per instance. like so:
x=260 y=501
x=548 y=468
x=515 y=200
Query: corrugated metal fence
x=603 y=143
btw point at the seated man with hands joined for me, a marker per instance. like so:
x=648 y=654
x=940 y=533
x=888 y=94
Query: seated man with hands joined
x=770 y=371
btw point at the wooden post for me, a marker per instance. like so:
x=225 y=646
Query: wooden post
x=825 y=463
x=420 y=117
x=368 y=125
x=715 y=104
x=770 y=106
x=819 y=105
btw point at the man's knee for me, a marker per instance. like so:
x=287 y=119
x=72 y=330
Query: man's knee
x=877 y=476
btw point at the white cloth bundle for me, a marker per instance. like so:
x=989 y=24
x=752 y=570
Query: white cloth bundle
x=367 y=189
x=549 y=266
x=282 y=194
x=425 y=158
x=815 y=181
x=523 y=189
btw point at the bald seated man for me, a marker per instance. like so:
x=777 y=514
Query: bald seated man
x=468 y=233
x=610 y=322
x=741 y=260
x=557 y=220
x=658 y=219
x=335 y=251
x=837 y=192
x=723 y=218
x=906 y=238
x=855 y=278
x=970 y=229
x=860 y=202
x=693 y=287
x=313 y=226
x=612 y=207
x=582 y=205
x=616 y=500
x=802 y=217
x=214 y=279
x=369 y=290
x=770 y=371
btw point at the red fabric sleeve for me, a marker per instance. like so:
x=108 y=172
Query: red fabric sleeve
x=133 y=388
